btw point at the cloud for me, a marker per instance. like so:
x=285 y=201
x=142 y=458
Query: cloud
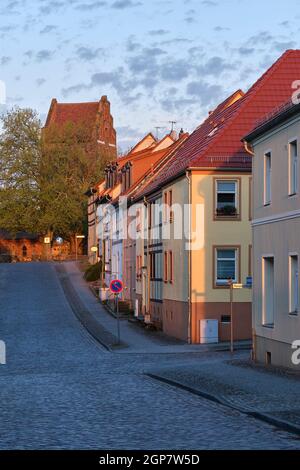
x=175 y=70
x=209 y=3
x=40 y=81
x=88 y=53
x=215 y=66
x=283 y=46
x=43 y=55
x=246 y=51
x=261 y=38
x=74 y=89
x=221 y=28
x=204 y=91
x=158 y=32
x=5 y=60
x=51 y=6
x=90 y=6
x=122 y=4
x=48 y=29
x=7 y=28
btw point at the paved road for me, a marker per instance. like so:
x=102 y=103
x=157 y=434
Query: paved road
x=61 y=390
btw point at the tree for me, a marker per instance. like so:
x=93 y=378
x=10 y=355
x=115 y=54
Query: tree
x=20 y=158
x=44 y=174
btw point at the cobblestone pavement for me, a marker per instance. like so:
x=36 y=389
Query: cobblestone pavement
x=62 y=390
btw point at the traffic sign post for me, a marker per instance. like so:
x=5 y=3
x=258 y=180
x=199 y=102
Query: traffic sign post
x=116 y=287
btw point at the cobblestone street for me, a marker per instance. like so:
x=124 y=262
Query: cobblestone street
x=60 y=389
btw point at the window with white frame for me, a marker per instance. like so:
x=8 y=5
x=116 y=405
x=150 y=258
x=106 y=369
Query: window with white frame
x=293 y=167
x=226 y=197
x=268 y=290
x=226 y=266
x=293 y=284
x=267 y=178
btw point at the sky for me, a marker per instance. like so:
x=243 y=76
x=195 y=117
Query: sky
x=156 y=60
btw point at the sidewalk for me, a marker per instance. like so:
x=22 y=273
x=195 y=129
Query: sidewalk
x=103 y=326
x=271 y=395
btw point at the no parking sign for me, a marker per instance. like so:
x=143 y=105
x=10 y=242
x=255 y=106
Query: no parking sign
x=116 y=286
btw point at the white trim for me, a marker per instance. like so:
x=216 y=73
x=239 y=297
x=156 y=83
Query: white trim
x=291 y=166
x=267 y=177
x=277 y=218
x=293 y=289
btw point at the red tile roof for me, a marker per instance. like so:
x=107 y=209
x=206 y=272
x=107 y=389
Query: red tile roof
x=60 y=113
x=221 y=133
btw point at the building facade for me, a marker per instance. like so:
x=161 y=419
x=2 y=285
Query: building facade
x=209 y=180
x=276 y=242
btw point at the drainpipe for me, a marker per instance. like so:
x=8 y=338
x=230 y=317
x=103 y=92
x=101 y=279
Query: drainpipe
x=248 y=148
x=148 y=256
x=189 y=261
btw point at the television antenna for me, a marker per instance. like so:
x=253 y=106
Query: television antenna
x=158 y=128
x=172 y=124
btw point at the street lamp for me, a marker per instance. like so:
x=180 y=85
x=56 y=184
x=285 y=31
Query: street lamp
x=77 y=237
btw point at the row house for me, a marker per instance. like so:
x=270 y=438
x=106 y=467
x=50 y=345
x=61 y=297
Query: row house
x=203 y=241
x=121 y=176
x=276 y=243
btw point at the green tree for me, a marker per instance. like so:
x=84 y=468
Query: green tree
x=20 y=158
x=44 y=174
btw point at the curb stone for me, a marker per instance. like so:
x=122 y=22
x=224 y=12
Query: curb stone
x=267 y=418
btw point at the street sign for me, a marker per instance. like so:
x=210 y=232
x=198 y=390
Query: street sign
x=116 y=286
x=47 y=240
x=249 y=281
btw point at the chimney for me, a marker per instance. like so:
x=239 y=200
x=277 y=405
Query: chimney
x=181 y=133
x=173 y=135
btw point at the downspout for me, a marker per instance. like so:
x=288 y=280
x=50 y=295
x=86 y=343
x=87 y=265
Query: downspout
x=248 y=148
x=148 y=256
x=189 y=261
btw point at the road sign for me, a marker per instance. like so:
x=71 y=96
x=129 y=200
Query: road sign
x=116 y=286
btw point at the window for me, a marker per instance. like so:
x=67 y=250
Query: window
x=250 y=261
x=226 y=266
x=138 y=219
x=267 y=179
x=225 y=319
x=293 y=284
x=168 y=202
x=268 y=291
x=227 y=198
x=138 y=267
x=152 y=266
x=170 y=266
x=293 y=167
x=171 y=215
x=166 y=266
